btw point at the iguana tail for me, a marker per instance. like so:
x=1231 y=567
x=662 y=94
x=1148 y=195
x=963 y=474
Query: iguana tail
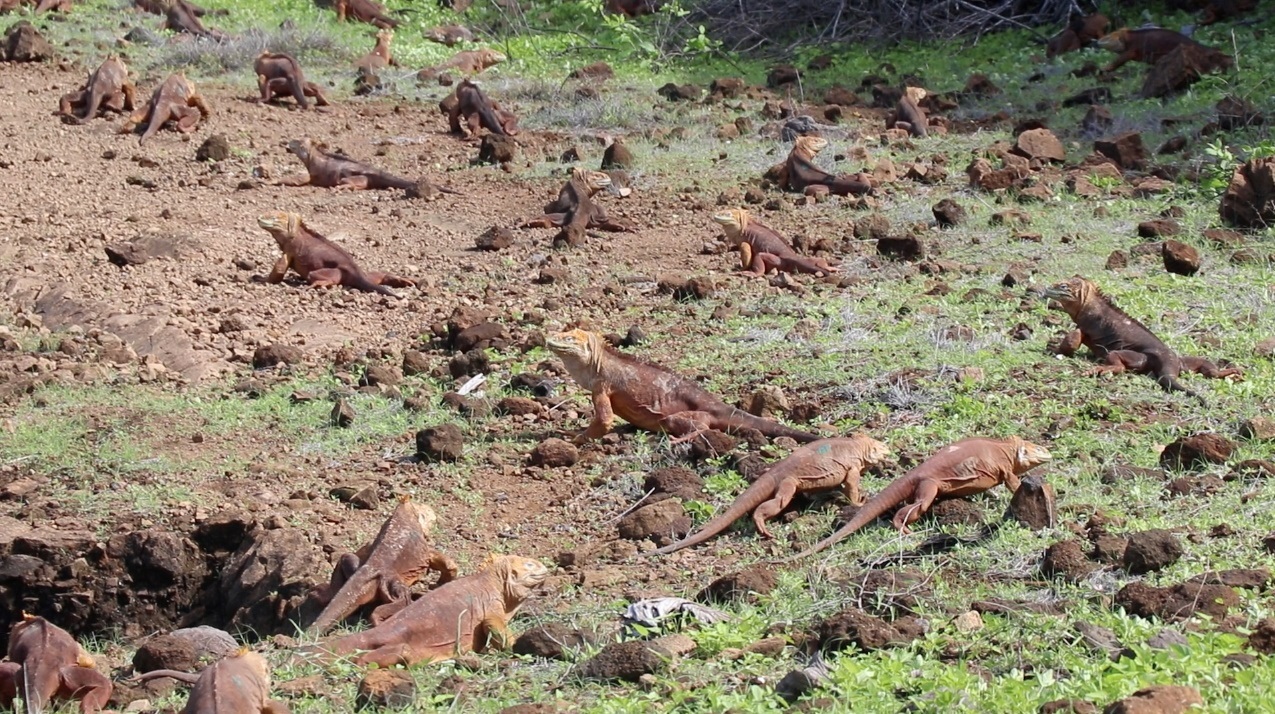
x=893 y=495
x=739 y=419
x=490 y=122
x=1171 y=384
x=359 y=281
x=753 y=496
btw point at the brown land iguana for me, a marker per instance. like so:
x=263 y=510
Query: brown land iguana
x=466 y=62
x=384 y=570
x=964 y=468
x=908 y=115
x=236 y=684
x=368 y=11
x=649 y=396
x=381 y=55
x=279 y=74
x=478 y=111
x=450 y=35
x=574 y=211
x=341 y=172
x=181 y=17
x=469 y=613
x=320 y=261
x=799 y=170
x=47 y=664
x=1150 y=44
x=761 y=249
x=1120 y=341
x=815 y=467
x=173 y=101
x=107 y=88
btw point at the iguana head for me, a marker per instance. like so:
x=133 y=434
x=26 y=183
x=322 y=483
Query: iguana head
x=810 y=146
x=1073 y=294
x=280 y=224
x=301 y=147
x=520 y=575
x=491 y=57
x=1027 y=455
x=383 y=37
x=916 y=94
x=733 y=221
x=253 y=661
x=593 y=180
x=580 y=350
x=1114 y=42
x=874 y=452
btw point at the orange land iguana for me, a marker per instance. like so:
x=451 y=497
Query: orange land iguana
x=175 y=100
x=450 y=35
x=574 y=211
x=649 y=396
x=466 y=62
x=799 y=170
x=908 y=115
x=1149 y=45
x=181 y=17
x=384 y=570
x=964 y=468
x=236 y=684
x=1120 y=341
x=470 y=613
x=1079 y=32
x=478 y=111
x=368 y=11
x=39 y=5
x=107 y=88
x=320 y=261
x=279 y=74
x=761 y=249
x=336 y=171
x=381 y=55
x=818 y=466
x=160 y=7
x=46 y=664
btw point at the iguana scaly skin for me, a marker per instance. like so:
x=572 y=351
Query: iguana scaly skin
x=381 y=55
x=279 y=75
x=799 y=170
x=1080 y=31
x=236 y=684
x=818 y=466
x=107 y=88
x=384 y=570
x=319 y=260
x=762 y=249
x=649 y=396
x=47 y=664
x=332 y=171
x=1150 y=44
x=470 y=613
x=368 y=11
x=574 y=211
x=467 y=62
x=908 y=114
x=175 y=100
x=181 y=17
x=1120 y=341
x=478 y=112
x=964 y=468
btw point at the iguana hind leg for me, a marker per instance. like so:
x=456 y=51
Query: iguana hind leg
x=90 y=686
x=549 y=220
x=922 y=499
x=850 y=487
x=387 y=656
x=10 y=672
x=324 y=277
x=1206 y=368
x=769 y=509
x=358 y=182
x=390 y=280
x=1118 y=361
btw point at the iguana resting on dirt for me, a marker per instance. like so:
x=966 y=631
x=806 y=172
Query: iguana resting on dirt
x=175 y=100
x=368 y=11
x=46 y=664
x=107 y=88
x=450 y=35
x=181 y=17
x=279 y=74
x=467 y=62
x=470 y=613
x=1120 y=341
x=908 y=115
x=319 y=260
x=38 y=5
x=160 y=7
x=799 y=170
x=761 y=249
x=649 y=396
x=964 y=468
x=236 y=684
x=1150 y=44
x=381 y=55
x=815 y=467
x=478 y=111
x=336 y=171
x=574 y=211
x=1080 y=31
x=384 y=570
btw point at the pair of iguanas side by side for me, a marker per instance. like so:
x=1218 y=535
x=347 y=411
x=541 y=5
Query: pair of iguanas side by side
x=108 y=88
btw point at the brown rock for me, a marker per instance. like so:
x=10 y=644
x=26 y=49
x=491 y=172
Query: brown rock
x=679 y=93
x=1158 y=228
x=165 y=652
x=359 y=495
x=663 y=520
x=1118 y=260
x=727 y=88
x=381 y=375
x=342 y=415
x=386 y=689
x=1180 y=258
x=1068 y=706
x=215 y=148
x=902 y=248
x=855 y=627
x=768 y=402
x=553 y=640
x=1033 y=504
x=948 y=213
x=676 y=481
x=273 y=355
x=617 y=156
x=1125 y=149
x=1040 y=144
x=627 y=661
x=743 y=585
x=1180 y=68
x=1197 y=450
x=1165 y=699
x=1149 y=551
x=495 y=238
x=1097 y=120
x=1262 y=640
x=840 y=96
x=555 y=453
x=23 y=43
x=445 y=442
x=1237 y=113
x=497 y=149
x=1066 y=559
x=1258 y=429
x=781 y=75
x=1249 y=200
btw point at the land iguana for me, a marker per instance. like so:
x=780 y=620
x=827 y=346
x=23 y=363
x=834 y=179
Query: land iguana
x=236 y=684
x=1080 y=31
x=160 y=7
x=815 y=467
x=649 y=396
x=466 y=62
x=341 y=172
x=908 y=115
x=368 y=11
x=478 y=111
x=1121 y=342
x=450 y=35
x=320 y=261
x=181 y=17
x=469 y=613
x=381 y=55
x=175 y=100
x=107 y=88
x=761 y=249
x=574 y=211
x=279 y=74
x=46 y=664
x=1150 y=44
x=799 y=170
x=384 y=570
x=964 y=468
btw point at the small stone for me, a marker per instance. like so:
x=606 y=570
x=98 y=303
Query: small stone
x=362 y=495
x=948 y=213
x=664 y=519
x=1197 y=450
x=968 y=622
x=1149 y=551
x=1033 y=504
x=342 y=414
x=1166 y=699
x=386 y=689
x=555 y=453
x=165 y=652
x=1258 y=429
x=273 y=355
x=1180 y=258
x=215 y=148
x=445 y=442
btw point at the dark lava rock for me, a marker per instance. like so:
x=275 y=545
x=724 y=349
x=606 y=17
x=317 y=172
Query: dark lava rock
x=386 y=689
x=1262 y=640
x=555 y=453
x=552 y=641
x=165 y=652
x=625 y=661
x=1180 y=258
x=1034 y=504
x=677 y=481
x=215 y=148
x=855 y=627
x=1166 y=699
x=1151 y=550
x=1066 y=559
x=743 y=585
x=23 y=43
x=1197 y=450
x=444 y=442
x=948 y=213
x=497 y=149
x=273 y=355
x=1177 y=602
x=1068 y=706
x=662 y=520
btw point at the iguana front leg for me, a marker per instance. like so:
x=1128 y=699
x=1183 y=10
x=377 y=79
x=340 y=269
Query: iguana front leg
x=603 y=417
x=495 y=633
x=357 y=182
x=88 y=685
x=850 y=487
x=1012 y=482
x=279 y=270
x=1070 y=342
